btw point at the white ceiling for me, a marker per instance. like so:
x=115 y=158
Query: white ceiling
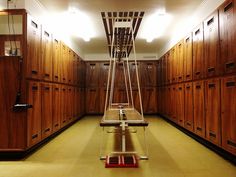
x=178 y=9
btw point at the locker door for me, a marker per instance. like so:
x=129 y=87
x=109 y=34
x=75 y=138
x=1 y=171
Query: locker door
x=92 y=72
x=168 y=102
x=46 y=55
x=228 y=114
x=198 y=53
x=70 y=66
x=180 y=104
x=120 y=95
x=212 y=100
x=188 y=57
x=78 y=106
x=168 y=58
x=74 y=69
x=164 y=71
x=159 y=71
x=63 y=106
x=46 y=109
x=82 y=101
x=227 y=21
x=92 y=101
x=180 y=66
x=56 y=60
x=69 y=104
x=173 y=103
x=119 y=76
x=34 y=114
x=173 y=65
x=199 y=108
x=74 y=99
x=211 y=45
x=56 y=102
x=149 y=100
x=64 y=59
x=188 y=111
x=133 y=76
x=104 y=74
x=148 y=74
x=33 y=62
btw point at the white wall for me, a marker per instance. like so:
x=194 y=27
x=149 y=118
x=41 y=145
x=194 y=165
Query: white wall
x=184 y=27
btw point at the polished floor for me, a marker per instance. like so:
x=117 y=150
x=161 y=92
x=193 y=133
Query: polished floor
x=75 y=152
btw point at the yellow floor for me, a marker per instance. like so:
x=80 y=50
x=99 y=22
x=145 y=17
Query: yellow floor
x=75 y=152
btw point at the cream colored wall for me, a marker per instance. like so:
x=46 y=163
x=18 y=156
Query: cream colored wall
x=184 y=27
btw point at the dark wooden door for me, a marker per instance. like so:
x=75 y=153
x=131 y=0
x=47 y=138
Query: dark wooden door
x=227 y=21
x=64 y=63
x=149 y=74
x=188 y=110
x=228 y=114
x=133 y=76
x=180 y=63
x=47 y=93
x=63 y=106
x=212 y=105
x=56 y=60
x=92 y=100
x=47 y=55
x=104 y=70
x=56 y=102
x=34 y=114
x=34 y=62
x=199 y=108
x=211 y=45
x=198 y=53
x=92 y=74
x=180 y=104
x=188 y=58
x=149 y=100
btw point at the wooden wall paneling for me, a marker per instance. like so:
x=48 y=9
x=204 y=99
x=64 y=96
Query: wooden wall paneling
x=180 y=66
x=34 y=114
x=92 y=100
x=64 y=59
x=149 y=74
x=228 y=113
x=212 y=105
x=188 y=58
x=47 y=110
x=56 y=57
x=198 y=53
x=46 y=55
x=227 y=23
x=56 y=109
x=63 y=106
x=149 y=100
x=199 y=108
x=92 y=74
x=211 y=45
x=180 y=104
x=33 y=61
x=188 y=102
x=104 y=70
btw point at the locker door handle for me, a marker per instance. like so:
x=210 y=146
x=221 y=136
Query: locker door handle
x=64 y=78
x=188 y=87
x=210 y=21
x=56 y=89
x=199 y=128
x=198 y=31
x=56 y=77
x=46 y=88
x=228 y=6
x=46 y=33
x=197 y=73
x=211 y=69
x=34 y=24
x=198 y=87
x=46 y=75
x=34 y=136
x=64 y=121
x=230 y=84
x=181 y=120
x=47 y=130
x=34 y=72
x=35 y=88
x=188 y=75
x=212 y=135
x=211 y=85
x=231 y=143
x=180 y=77
x=180 y=88
x=188 y=124
x=230 y=65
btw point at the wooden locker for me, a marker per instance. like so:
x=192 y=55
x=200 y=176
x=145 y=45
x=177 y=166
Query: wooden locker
x=103 y=92
x=173 y=103
x=133 y=76
x=228 y=114
x=104 y=70
x=159 y=71
x=74 y=69
x=64 y=63
x=74 y=104
x=34 y=114
x=92 y=74
x=33 y=62
x=148 y=74
x=188 y=58
x=180 y=104
x=180 y=66
x=70 y=66
x=47 y=93
x=211 y=45
x=70 y=104
x=78 y=106
x=136 y=99
x=227 y=23
x=56 y=111
x=119 y=76
x=46 y=55
x=198 y=53
x=149 y=100
x=168 y=102
x=92 y=100
x=168 y=60
x=82 y=101
x=56 y=60
x=188 y=108
x=173 y=65
x=120 y=95
x=199 y=108
x=63 y=106
x=212 y=105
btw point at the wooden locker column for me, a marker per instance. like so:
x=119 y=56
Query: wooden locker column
x=46 y=109
x=188 y=102
x=199 y=108
x=198 y=53
x=46 y=55
x=69 y=103
x=56 y=60
x=228 y=114
x=173 y=61
x=169 y=69
x=92 y=100
x=164 y=70
x=159 y=71
x=133 y=76
x=148 y=74
x=63 y=106
x=56 y=124
x=168 y=102
x=104 y=69
x=211 y=45
x=212 y=105
x=180 y=57
x=34 y=114
x=64 y=63
x=69 y=67
x=188 y=58
x=33 y=62
x=119 y=75
x=180 y=104
x=173 y=103
x=92 y=74
x=227 y=16
x=149 y=100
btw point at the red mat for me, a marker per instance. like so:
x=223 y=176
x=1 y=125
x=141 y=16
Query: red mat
x=123 y=161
